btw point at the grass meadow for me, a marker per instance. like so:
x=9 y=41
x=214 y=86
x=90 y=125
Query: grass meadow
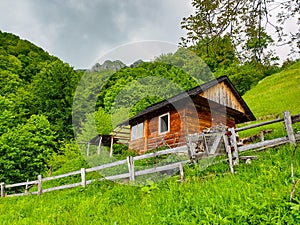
x=258 y=193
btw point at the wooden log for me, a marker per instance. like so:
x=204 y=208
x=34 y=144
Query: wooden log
x=118 y=176
x=83 y=180
x=40 y=187
x=21 y=184
x=2 y=189
x=111 y=146
x=181 y=172
x=228 y=150
x=108 y=165
x=289 y=127
x=181 y=149
x=88 y=149
x=233 y=141
x=160 y=168
x=62 y=175
x=259 y=124
x=99 y=146
x=27 y=186
x=130 y=162
x=263 y=144
x=262 y=136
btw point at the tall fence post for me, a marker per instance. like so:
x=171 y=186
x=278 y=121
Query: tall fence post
x=130 y=162
x=83 y=180
x=289 y=127
x=2 y=189
x=181 y=172
x=229 y=153
x=99 y=146
x=88 y=149
x=111 y=146
x=40 y=187
x=233 y=138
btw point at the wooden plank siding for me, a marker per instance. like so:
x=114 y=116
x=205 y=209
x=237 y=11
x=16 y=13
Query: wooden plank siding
x=222 y=94
x=214 y=105
x=188 y=119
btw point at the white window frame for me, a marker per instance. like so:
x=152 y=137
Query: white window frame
x=159 y=123
x=136 y=136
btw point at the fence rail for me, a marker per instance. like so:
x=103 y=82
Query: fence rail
x=231 y=147
x=131 y=175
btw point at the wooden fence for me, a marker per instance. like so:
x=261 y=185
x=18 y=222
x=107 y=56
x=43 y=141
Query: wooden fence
x=231 y=146
x=131 y=175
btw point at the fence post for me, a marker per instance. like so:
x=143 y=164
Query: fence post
x=289 y=127
x=83 y=180
x=228 y=150
x=181 y=172
x=88 y=149
x=130 y=162
x=26 y=187
x=40 y=187
x=99 y=146
x=111 y=146
x=233 y=138
x=2 y=189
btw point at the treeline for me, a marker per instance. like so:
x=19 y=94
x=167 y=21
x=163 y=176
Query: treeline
x=36 y=92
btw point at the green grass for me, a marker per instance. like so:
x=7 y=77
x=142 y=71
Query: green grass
x=275 y=94
x=257 y=194
x=271 y=97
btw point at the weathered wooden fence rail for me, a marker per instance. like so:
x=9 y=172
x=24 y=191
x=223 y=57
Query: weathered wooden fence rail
x=231 y=146
x=131 y=175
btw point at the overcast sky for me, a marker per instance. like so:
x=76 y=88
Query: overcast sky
x=82 y=31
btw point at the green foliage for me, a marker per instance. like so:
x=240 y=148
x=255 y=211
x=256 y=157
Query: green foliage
x=189 y=61
x=121 y=151
x=244 y=77
x=246 y=22
x=67 y=153
x=25 y=150
x=127 y=86
x=51 y=94
x=220 y=54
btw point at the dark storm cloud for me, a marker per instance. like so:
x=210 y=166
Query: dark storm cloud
x=79 y=31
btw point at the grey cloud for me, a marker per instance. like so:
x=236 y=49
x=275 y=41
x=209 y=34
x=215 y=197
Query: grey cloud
x=77 y=31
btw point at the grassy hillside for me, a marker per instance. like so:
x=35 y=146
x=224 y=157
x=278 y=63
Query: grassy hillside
x=257 y=194
x=276 y=93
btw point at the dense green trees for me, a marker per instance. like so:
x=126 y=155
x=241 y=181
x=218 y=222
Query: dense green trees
x=26 y=149
x=148 y=79
x=36 y=92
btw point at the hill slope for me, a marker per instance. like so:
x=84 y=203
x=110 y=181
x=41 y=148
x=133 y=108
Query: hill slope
x=276 y=93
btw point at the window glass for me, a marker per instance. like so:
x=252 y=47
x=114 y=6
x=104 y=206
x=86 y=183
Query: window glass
x=140 y=130
x=164 y=123
x=133 y=132
x=137 y=131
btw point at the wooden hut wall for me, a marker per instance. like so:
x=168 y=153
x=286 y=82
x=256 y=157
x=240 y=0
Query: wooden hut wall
x=223 y=95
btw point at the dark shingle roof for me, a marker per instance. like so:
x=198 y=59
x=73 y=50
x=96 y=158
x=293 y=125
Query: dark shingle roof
x=192 y=93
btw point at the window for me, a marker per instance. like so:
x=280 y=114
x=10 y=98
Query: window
x=137 y=131
x=164 y=123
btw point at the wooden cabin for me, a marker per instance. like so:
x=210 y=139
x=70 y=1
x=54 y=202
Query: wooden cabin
x=168 y=122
